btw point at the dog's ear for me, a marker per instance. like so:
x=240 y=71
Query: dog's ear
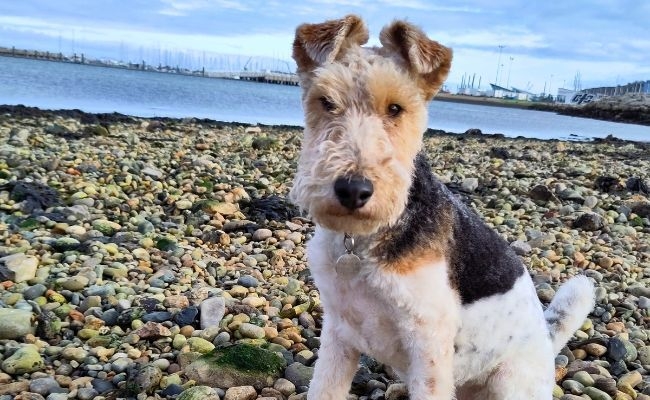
x=425 y=57
x=317 y=44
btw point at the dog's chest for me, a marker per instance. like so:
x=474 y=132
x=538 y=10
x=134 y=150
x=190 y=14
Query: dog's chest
x=365 y=318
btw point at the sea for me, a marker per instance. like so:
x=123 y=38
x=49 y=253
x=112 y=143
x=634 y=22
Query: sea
x=55 y=85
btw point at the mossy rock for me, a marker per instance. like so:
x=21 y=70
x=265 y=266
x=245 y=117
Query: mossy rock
x=28 y=224
x=166 y=244
x=237 y=365
x=206 y=183
x=265 y=143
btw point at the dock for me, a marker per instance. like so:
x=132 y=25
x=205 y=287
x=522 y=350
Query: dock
x=279 y=78
x=266 y=76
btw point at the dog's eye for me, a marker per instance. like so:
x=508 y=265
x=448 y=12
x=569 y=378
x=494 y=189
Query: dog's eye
x=328 y=104
x=394 y=110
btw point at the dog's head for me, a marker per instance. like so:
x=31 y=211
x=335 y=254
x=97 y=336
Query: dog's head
x=365 y=113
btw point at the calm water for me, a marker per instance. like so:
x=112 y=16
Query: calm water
x=94 y=89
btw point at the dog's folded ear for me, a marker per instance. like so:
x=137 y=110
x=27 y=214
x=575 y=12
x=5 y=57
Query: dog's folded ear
x=423 y=56
x=317 y=44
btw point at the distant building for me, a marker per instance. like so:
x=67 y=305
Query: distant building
x=512 y=93
x=633 y=87
x=585 y=96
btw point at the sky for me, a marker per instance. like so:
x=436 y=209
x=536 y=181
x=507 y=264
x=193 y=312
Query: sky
x=544 y=44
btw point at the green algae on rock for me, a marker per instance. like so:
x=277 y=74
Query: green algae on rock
x=237 y=365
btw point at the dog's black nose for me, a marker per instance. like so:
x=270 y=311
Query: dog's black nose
x=353 y=191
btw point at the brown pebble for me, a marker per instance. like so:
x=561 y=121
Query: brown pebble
x=270 y=332
x=579 y=354
x=14 y=387
x=187 y=331
x=617 y=326
x=595 y=349
x=173 y=368
x=286 y=343
x=606 y=262
x=284 y=324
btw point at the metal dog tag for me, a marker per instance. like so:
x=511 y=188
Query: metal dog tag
x=348 y=262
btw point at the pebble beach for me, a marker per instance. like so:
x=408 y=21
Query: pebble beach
x=160 y=259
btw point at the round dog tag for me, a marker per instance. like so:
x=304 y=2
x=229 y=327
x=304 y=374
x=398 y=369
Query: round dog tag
x=347 y=263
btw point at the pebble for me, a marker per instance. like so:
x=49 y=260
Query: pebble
x=24 y=361
x=18 y=267
x=15 y=323
x=240 y=393
x=212 y=311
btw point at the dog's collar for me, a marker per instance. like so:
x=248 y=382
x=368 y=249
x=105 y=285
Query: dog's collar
x=349 y=261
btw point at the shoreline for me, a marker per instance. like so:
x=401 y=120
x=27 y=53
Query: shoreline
x=142 y=246
x=610 y=109
x=114 y=117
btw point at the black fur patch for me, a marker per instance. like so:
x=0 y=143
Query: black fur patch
x=419 y=225
x=481 y=262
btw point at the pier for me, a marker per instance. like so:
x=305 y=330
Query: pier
x=266 y=76
x=280 y=78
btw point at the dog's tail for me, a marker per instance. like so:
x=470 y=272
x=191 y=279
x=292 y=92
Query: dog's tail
x=568 y=310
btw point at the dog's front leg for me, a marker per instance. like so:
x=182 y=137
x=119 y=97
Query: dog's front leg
x=430 y=347
x=335 y=367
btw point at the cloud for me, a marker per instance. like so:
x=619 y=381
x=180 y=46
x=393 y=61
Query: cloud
x=183 y=8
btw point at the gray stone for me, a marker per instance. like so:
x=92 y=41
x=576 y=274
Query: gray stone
x=643 y=354
x=147 y=378
x=589 y=222
x=152 y=172
x=247 y=281
x=75 y=283
x=199 y=393
x=573 y=386
x=212 y=311
x=251 y=331
x=639 y=290
x=15 y=323
x=57 y=396
x=18 y=267
x=299 y=374
x=584 y=378
x=597 y=394
x=469 y=184
x=284 y=386
x=262 y=234
x=590 y=201
x=35 y=291
x=86 y=393
x=520 y=247
x=44 y=386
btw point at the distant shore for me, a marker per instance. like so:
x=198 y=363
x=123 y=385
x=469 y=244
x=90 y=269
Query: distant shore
x=632 y=109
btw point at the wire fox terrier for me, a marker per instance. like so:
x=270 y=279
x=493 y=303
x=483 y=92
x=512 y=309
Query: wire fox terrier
x=406 y=272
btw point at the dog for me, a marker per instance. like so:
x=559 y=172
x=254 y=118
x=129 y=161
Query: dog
x=406 y=272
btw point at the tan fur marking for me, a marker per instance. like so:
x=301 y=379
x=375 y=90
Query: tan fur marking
x=414 y=261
